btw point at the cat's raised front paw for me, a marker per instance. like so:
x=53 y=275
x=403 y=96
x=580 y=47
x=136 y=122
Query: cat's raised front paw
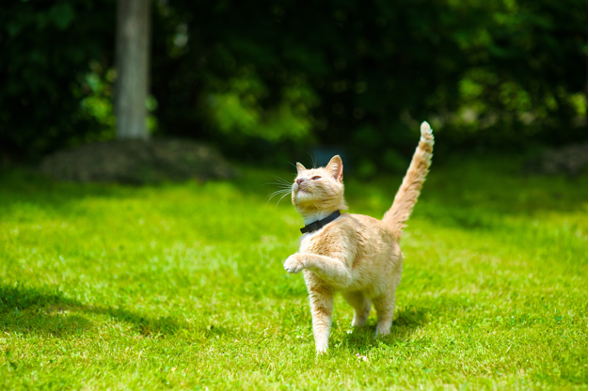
x=293 y=264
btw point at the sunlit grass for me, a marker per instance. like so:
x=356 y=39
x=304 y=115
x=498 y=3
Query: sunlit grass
x=182 y=286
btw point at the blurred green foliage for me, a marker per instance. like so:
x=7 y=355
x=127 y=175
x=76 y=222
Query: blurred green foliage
x=235 y=106
x=47 y=47
x=271 y=79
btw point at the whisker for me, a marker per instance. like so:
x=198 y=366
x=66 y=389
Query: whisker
x=284 y=187
x=281 y=199
x=281 y=185
x=313 y=159
x=278 y=192
x=279 y=179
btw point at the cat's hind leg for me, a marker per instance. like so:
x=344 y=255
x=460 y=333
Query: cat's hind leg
x=361 y=305
x=385 y=309
x=385 y=302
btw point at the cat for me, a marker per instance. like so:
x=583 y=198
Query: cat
x=356 y=255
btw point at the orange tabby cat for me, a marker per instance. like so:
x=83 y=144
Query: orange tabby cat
x=354 y=254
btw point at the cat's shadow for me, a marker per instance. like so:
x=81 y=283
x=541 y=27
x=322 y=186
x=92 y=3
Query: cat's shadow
x=28 y=310
x=405 y=323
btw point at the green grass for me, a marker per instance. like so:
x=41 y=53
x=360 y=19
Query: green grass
x=181 y=286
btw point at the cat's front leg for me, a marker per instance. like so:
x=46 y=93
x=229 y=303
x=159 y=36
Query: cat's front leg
x=294 y=263
x=331 y=269
x=321 y=300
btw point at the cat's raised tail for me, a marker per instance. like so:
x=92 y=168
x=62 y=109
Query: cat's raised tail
x=409 y=191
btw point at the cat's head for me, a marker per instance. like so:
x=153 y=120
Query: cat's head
x=319 y=189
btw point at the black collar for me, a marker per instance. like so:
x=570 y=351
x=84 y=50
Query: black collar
x=314 y=226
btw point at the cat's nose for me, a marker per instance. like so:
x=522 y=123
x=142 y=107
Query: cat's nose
x=300 y=180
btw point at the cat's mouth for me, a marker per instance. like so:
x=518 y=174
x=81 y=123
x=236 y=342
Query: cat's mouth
x=302 y=193
x=299 y=189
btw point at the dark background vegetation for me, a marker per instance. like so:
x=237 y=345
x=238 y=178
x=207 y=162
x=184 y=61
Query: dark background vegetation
x=265 y=81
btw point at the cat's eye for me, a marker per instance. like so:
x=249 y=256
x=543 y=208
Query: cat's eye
x=315 y=178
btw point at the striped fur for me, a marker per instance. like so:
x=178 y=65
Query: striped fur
x=406 y=197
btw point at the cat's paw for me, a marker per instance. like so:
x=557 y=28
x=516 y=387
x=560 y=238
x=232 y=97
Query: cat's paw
x=382 y=331
x=321 y=347
x=293 y=264
x=359 y=322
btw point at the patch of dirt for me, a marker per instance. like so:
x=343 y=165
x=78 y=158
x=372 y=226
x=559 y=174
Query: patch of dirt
x=570 y=160
x=137 y=162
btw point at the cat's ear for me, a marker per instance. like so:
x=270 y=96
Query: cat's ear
x=336 y=167
x=300 y=168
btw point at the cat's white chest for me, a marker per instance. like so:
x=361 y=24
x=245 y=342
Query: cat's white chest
x=307 y=240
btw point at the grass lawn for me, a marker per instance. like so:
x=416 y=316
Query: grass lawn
x=181 y=286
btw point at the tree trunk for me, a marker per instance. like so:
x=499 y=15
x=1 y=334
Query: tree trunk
x=132 y=64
